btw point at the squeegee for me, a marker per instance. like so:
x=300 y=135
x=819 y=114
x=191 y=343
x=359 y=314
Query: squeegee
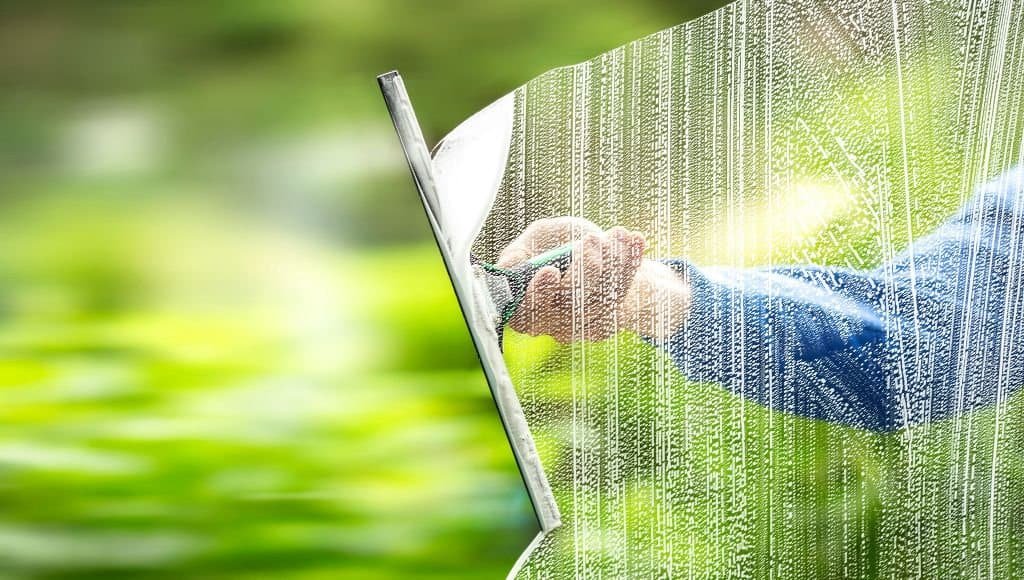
x=488 y=296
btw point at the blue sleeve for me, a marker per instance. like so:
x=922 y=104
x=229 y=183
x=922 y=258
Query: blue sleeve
x=933 y=332
x=782 y=340
x=956 y=310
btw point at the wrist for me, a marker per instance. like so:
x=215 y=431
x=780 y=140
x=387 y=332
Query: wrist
x=659 y=300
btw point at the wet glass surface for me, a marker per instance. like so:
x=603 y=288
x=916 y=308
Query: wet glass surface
x=834 y=396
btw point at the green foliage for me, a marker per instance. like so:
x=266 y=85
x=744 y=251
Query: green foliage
x=213 y=425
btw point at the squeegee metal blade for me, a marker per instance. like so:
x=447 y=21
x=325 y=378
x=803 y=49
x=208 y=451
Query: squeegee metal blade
x=486 y=343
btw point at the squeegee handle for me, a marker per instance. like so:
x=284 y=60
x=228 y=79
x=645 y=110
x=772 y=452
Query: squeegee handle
x=559 y=257
x=519 y=278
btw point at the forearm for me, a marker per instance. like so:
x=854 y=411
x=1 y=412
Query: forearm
x=779 y=340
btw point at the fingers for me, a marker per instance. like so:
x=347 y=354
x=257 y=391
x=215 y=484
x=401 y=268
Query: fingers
x=537 y=313
x=542 y=292
x=604 y=265
x=545 y=234
x=628 y=248
x=513 y=254
x=618 y=274
x=592 y=266
x=589 y=297
x=593 y=282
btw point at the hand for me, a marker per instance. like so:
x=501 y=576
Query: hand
x=608 y=287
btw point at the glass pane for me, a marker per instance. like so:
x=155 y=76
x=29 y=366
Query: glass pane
x=813 y=371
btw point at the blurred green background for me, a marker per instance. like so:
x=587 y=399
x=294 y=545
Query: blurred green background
x=228 y=347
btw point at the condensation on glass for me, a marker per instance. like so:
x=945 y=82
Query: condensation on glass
x=806 y=160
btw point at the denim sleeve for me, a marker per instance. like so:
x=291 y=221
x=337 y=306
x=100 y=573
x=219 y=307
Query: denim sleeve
x=784 y=342
x=935 y=331
x=956 y=310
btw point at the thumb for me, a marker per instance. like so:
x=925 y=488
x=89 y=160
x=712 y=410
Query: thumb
x=512 y=255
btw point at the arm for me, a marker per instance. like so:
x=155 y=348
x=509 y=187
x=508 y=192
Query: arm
x=954 y=300
x=935 y=331
x=784 y=340
x=769 y=336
